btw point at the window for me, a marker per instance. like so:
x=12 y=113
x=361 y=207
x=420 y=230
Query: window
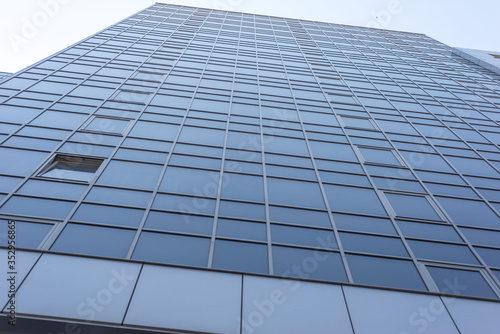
x=412 y=206
x=71 y=168
x=107 y=125
x=471 y=282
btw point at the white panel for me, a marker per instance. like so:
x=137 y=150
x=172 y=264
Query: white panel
x=273 y=306
x=396 y=312
x=474 y=316
x=23 y=263
x=78 y=288
x=186 y=299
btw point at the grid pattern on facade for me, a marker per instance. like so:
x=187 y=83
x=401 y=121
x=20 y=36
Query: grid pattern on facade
x=259 y=144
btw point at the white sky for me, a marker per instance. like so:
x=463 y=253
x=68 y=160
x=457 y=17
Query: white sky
x=31 y=30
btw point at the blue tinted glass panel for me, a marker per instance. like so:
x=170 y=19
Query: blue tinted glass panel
x=37 y=207
x=190 y=181
x=363 y=224
x=241 y=230
x=412 y=206
x=177 y=222
x=429 y=231
x=295 y=193
x=384 y=272
x=243 y=187
x=28 y=235
x=471 y=283
x=189 y=204
x=173 y=249
x=240 y=256
x=108 y=215
x=471 y=213
x=112 y=242
x=442 y=252
x=372 y=244
x=308 y=263
x=130 y=175
x=320 y=239
x=351 y=199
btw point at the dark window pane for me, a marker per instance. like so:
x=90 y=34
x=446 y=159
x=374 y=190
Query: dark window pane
x=482 y=237
x=176 y=222
x=130 y=175
x=242 y=210
x=308 y=263
x=108 y=215
x=471 y=213
x=28 y=235
x=299 y=217
x=412 y=206
x=296 y=193
x=462 y=282
x=190 y=181
x=37 y=207
x=384 y=272
x=52 y=189
x=113 y=242
x=241 y=229
x=356 y=200
x=442 y=252
x=189 y=204
x=240 y=256
x=363 y=224
x=490 y=256
x=118 y=196
x=372 y=244
x=429 y=231
x=321 y=239
x=173 y=249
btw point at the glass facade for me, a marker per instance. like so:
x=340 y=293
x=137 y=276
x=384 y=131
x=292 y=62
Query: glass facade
x=257 y=144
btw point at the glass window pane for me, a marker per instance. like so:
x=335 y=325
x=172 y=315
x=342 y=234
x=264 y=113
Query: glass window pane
x=242 y=210
x=471 y=213
x=429 y=231
x=190 y=181
x=332 y=151
x=60 y=120
x=356 y=200
x=109 y=125
x=442 y=252
x=482 y=237
x=71 y=168
x=37 y=207
x=113 y=242
x=52 y=189
x=471 y=283
x=243 y=187
x=412 y=206
x=19 y=162
x=130 y=175
x=108 y=215
x=28 y=235
x=176 y=222
x=190 y=204
x=379 y=156
x=285 y=145
x=308 y=263
x=241 y=230
x=118 y=196
x=204 y=136
x=372 y=244
x=490 y=256
x=303 y=237
x=297 y=193
x=240 y=256
x=385 y=272
x=152 y=130
x=173 y=249
x=363 y=224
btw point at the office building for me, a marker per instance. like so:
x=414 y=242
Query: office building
x=196 y=170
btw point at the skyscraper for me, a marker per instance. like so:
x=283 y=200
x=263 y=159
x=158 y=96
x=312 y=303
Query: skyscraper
x=196 y=170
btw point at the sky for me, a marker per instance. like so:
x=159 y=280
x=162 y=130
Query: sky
x=31 y=30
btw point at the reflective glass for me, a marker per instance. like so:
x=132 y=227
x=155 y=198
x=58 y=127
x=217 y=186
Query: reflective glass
x=28 y=234
x=240 y=256
x=309 y=237
x=471 y=283
x=442 y=252
x=108 y=215
x=470 y=213
x=412 y=206
x=372 y=244
x=384 y=272
x=130 y=175
x=356 y=200
x=172 y=249
x=308 y=263
x=112 y=242
x=296 y=193
x=241 y=230
x=190 y=181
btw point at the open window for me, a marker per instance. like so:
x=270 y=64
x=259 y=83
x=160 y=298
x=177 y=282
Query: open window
x=71 y=168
